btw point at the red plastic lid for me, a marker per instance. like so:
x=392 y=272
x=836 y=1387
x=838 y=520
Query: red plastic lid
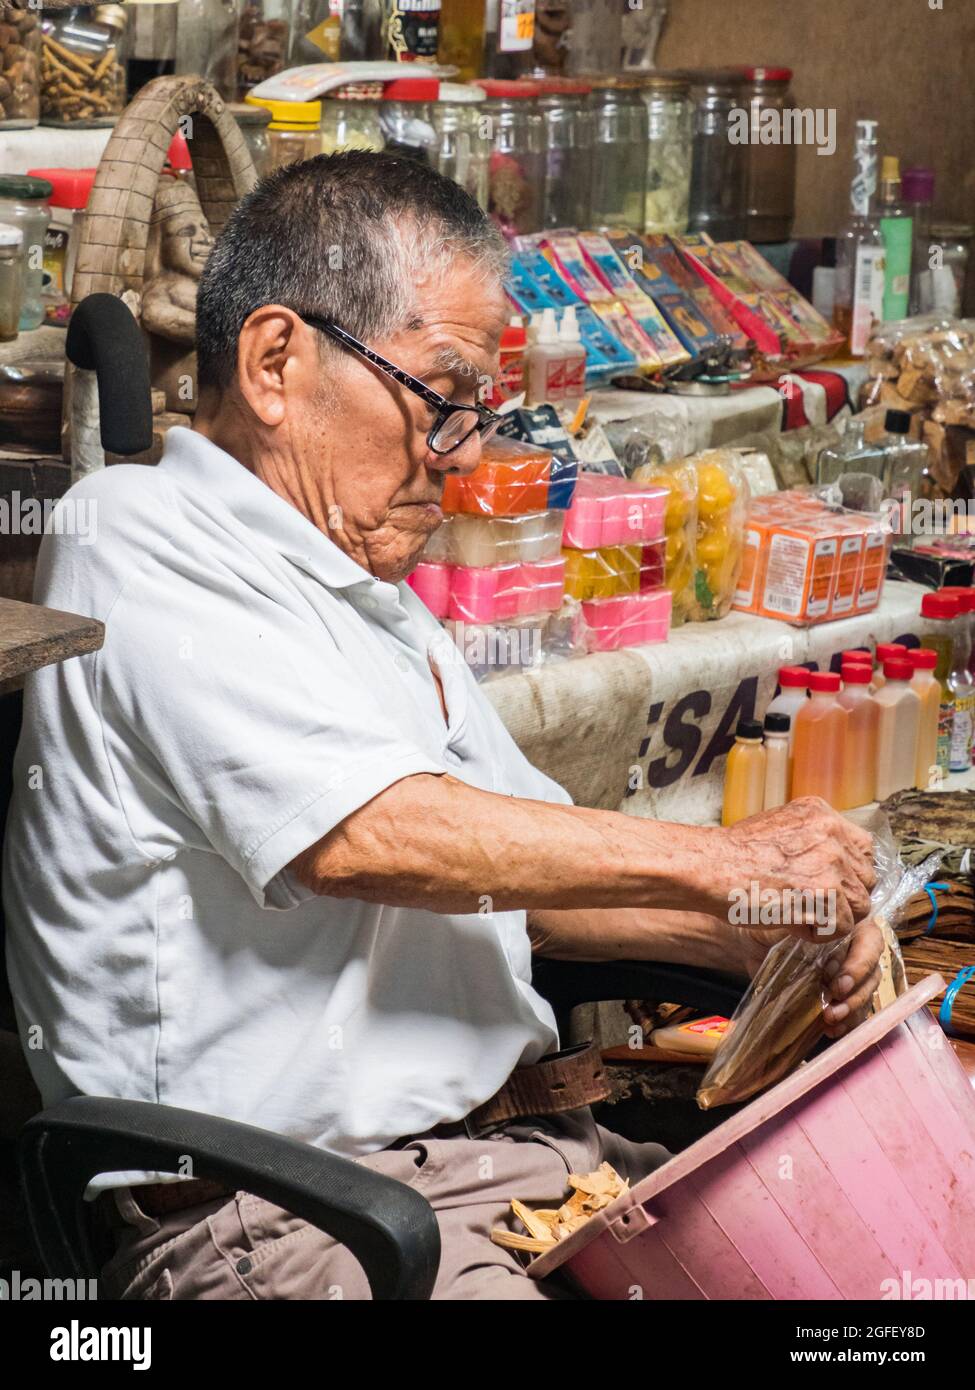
x=513 y=337
x=562 y=86
x=501 y=87
x=70 y=187
x=412 y=89
x=178 y=154
x=768 y=74
x=855 y=673
x=965 y=597
x=940 y=605
x=898 y=668
x=885 y=650
x=824 y=680
x=794 y=677
x=856 y=656
x=923 y=659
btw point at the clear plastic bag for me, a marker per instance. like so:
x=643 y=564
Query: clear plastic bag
x=780 y=1019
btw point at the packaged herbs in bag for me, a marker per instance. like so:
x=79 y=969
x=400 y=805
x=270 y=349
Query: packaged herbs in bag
x=780 y=1018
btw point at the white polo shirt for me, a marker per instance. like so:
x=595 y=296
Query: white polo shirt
x=256 y=686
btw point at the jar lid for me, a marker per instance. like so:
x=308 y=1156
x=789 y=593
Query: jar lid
x=355 y=91
x=296 y=112
x=411 y=89
x=460 y=93
x=562 y=86
x=917 y=185
x=715 y=79
x=249 y=115
x=768 y=74
x=665 y=82
x=495 y=87
x=70 y=188
x=948 y=231
x=24 y=186
x=113 y=16
x=10 y=236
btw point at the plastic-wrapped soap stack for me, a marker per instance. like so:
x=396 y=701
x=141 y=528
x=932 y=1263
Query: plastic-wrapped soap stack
x=494 y=572
x=614 y=550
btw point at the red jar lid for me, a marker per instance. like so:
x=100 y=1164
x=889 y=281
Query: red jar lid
x=965 y=597
x=793 y=677
x=885 y=650
x=71 y=188
x=412 y=89
x=502 y=87
x=768 y=74
x=855 y=673
x=940 y=605
x=898 y=669
x=824 y=680
x=923 y=659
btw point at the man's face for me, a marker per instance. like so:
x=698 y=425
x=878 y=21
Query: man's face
x=366 y=475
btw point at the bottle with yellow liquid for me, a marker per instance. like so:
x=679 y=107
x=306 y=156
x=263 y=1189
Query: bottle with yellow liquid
x=818 y=747
x=897 y=731
x=858 y=779
x=744 y=778
x=929 y=680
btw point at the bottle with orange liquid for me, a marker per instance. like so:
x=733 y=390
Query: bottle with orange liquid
x=886 y=651
x=858 y=781
x=928 y=682
x=744 y=778
x=818 y=748
x=897 y=729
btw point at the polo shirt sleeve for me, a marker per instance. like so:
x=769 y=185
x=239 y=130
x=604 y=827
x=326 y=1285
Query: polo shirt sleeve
x=230 y=709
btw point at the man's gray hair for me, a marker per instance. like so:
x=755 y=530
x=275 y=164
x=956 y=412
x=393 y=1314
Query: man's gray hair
x=346 y=236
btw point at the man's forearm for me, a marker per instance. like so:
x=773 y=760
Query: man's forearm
x=433 y=842
x=594 y=934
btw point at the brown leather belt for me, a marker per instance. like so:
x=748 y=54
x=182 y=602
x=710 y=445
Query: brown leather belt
x=564 y=1081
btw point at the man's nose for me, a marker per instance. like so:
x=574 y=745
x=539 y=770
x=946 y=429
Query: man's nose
x=462 y=460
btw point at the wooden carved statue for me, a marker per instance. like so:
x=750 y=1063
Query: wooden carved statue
x=146 y=235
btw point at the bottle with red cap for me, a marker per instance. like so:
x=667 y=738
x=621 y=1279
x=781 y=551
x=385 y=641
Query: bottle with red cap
x=898 y=727
x=929 y=686
x=819 y=744
x=510 y=380
x=858 y=780
x=885 y=650
x=793 y=694
x=961 y=683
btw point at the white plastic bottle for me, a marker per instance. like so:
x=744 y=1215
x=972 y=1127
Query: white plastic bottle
x=545 y=361
x=575 y=358
x=794 y=692
x=898 y=728
x=777 y=730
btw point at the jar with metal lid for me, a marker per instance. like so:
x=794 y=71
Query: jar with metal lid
x=670 y=144
x=404 y=119
x=770 y=185
x=263 y=39
x=253 y=122
x=20 y=67
x=294 y=131
x=24 y=204
x=350 y=118
x=720 y=163
x=461 y=150
x=619 y=154
x=514 y=127
x=83 y=56
x=567 y=121
x=11 y=280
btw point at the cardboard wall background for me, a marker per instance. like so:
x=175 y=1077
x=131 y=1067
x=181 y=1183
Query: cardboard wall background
x=907 y=65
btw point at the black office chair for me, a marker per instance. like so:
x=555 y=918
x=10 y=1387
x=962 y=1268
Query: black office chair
x=388 y=1227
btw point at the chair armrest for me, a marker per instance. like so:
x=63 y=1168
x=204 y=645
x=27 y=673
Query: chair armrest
x=565 y=983
x=389 y=1228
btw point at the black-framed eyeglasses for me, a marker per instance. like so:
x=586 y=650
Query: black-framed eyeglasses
x=453 y=425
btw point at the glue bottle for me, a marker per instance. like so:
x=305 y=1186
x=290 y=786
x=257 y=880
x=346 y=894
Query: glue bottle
x=574 y=357
x=744 y=778
x=545 y=362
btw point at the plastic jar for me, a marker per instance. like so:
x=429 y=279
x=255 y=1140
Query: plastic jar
x=770 y=183
x=294 y=131
x=11 y=280
x=83 y=56
x=461 y=149
x=263 y=37
x=70 y=191
x=670 y=145
x=720 y=166
x=404 y=117
x=619 y=158
x=253 y=122
x=350 y=118
x=517 y=159
x=20 y=68
x=567 y=124
x=24 y=204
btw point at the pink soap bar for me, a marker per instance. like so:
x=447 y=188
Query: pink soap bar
x=628 y=619
x=583 y=528
x=484 y=594
x=431 y=583
x=612 y=511
x=542 y=586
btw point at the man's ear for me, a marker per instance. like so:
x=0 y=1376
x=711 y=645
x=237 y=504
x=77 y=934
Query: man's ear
x=277 y=358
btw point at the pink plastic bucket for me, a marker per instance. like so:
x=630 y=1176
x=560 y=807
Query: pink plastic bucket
x=852 y=1179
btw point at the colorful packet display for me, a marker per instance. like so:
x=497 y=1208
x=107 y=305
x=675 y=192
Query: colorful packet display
x=606 y=354
x=566 y=255
x=536 y=283
x=610 y=269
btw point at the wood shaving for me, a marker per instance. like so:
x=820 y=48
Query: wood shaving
x=591 y=1192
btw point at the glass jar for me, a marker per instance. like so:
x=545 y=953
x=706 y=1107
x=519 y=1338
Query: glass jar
x=619 y=154
x=24 y=204
x=254 y=121
x=720 y=165
x=206 y=42
x=150 y=42
x=83 y=55
x=11 y=280
x=20 y=68
x=294 y=131
x=670 y=144
x=955 y=242
x=567 y=123
x=595 y=40
x=461 y=150
x=262 y=41
x=770 y=182
x=350 y=118
x=403 y=117
x=70 y=191
x=517 y=161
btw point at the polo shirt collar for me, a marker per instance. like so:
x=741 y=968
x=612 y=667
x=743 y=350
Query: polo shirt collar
x=201 y=466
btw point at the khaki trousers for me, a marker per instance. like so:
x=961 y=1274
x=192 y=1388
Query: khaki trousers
x=246 y=1248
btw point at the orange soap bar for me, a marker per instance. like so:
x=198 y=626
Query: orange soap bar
x=511 y=479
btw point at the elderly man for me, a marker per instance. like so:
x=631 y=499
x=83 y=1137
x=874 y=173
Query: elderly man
x=272 y=854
